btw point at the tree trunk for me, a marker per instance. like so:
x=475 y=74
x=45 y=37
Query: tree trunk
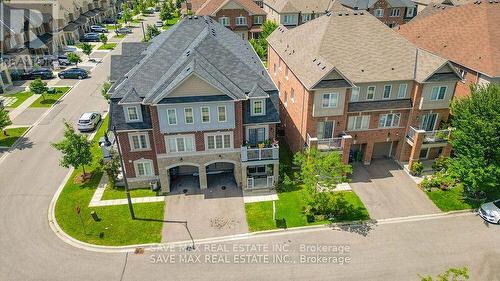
x=83 y=168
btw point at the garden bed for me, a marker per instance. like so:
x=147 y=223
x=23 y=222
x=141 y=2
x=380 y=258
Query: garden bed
x=50 y=99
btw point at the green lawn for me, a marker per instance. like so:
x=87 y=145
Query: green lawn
x=80 y=45
x=50 y=99
x=107 y=46
x=120 y=36
x=119 y=193
x=112 y=26
x=168 y=23
x=21 y=97
x=115 y=224
x=453 y=199
x=13 y=135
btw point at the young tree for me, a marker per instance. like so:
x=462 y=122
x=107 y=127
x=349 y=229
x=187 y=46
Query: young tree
x=87 y=49
x=260 y=44
x=111 y=168
x=103 y=38
x=38 y=87
x=4 y=120
x=74 y=58
x=126 y=15
x=452 y=274
x=151 y=32
x=75 y=149
x=165 y=12
x=104 y=91
x=476 y=153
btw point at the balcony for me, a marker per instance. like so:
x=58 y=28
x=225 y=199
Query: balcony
x=429 y=137
x=258 y=154
x=325 y=144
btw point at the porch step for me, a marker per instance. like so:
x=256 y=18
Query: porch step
x=258 y=191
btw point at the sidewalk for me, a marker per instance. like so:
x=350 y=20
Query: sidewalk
x=22 y=107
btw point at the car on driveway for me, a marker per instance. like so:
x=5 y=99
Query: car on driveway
x=90 y=37
x=109 y=21
x=73 y=73
x=88 y=121
x=490 y=211
x=98 y=29
x=159 y=23
x=123 y=30
x=43 y=73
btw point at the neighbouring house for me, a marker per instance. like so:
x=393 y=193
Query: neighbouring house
x=390 y=12
x=383 y=98
x=244 y=17
x=292 y=13
x=474 y=48
x=436 y=4
x=193 y=107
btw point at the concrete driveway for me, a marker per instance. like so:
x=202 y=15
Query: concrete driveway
x=209 y=213
x=388 y=192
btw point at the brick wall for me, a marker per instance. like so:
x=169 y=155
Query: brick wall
x=232 y=14
x=387 y=19
x=130 y=156
x=463 y=88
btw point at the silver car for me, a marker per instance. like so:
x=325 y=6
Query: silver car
x=88 y=121
x=490 y=211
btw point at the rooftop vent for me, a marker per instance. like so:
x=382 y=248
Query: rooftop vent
x=340 y=14
x=346 y=14
x=314 y=60
x=190 y=17
x=195 y=17
x=361 y=13
x=323 y=68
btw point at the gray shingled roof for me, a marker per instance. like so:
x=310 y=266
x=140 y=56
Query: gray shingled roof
x=272 y=111
x=201 y=47
x=117 y=118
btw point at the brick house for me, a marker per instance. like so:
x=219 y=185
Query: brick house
x=244 y=17
x=391 y=12
x=384 y=98
x=195 y=106
x=473 y=48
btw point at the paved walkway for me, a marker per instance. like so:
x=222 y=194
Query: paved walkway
x=22 y=107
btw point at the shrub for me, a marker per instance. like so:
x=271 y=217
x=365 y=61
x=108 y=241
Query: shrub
x=441 y=163
x=417 y=168
x=328 y=205
x=440 y=180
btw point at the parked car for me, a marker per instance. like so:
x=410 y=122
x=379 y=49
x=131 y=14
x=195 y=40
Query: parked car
x=159 y=23
x=90 y=37
x=98 y=29
x=69 y=49
x=63 y=60
x=74 y=73
x=88 y=121
x=490 y=211
x=43 y=73
x=109 y=21
x=123 y=30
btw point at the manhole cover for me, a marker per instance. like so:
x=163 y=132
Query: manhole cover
x=223 y=187
x=185 y=190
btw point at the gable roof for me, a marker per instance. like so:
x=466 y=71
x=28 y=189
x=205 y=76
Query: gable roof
x=380 y=53
x=365 y=4
x=468 y=35
x=303 y=6
x=211 y=7
x=195 y=46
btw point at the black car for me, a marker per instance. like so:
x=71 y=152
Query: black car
x=73 y=73
x=90 y=37
x=42 y=73
x=109 y=21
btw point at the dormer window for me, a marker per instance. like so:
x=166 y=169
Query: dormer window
x=133 y=114
x=257 y=107
x=224 y=21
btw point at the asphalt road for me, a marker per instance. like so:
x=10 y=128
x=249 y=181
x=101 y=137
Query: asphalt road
x=31 y=251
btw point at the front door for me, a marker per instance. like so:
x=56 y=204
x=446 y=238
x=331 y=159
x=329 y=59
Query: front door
x=429 y=122
x=325 y=130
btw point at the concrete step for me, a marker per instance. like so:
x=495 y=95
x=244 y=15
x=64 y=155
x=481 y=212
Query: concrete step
x=258 y=192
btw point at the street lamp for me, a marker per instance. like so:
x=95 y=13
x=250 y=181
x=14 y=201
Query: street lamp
x=127 y=191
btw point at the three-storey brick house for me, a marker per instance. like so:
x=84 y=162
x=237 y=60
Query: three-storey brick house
x=349 y=83
x=194 y=107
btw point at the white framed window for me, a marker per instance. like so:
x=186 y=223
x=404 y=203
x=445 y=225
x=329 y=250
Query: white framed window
x=289 y=19
x=410 y=11
x=205 y=114
x=292 y=95
x=389 y=120
x=180 y=143
x=370 y=92
x=358 y=122
x=188 y=115
x=355 y=94
x=172 y=116
x=257 y=107
x=139 y=141
x=378 y=13
x=241 y=21
x=258 y=19
x=132 y=114
x=395 y=12
x=224 y=21
x=330 y=100
x=143 y=168
x=221 y=113
x=218 y=141
x=402 y=91
x=438 y=93
x=306 y=17
x=387 y=91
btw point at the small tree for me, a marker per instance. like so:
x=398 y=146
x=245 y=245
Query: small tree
x=75 y=149
x=103 y=38
x=87 y=49
x=4 y=120
x=111 y=168
x=74 y=58
x=260 y=44
x=452 y=274
x=38 y=87
x=104 y=91
x=126 y=15
x=151 y=32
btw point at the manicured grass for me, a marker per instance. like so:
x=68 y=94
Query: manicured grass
x=120 y=36
x=168 y=23
x=107 y=46
x=115 y=222
x=112 y=26
x=119 y=193
x=13 y=135
x=453 y=199
x=50 y=99
x=80 y=45
x=21 y=97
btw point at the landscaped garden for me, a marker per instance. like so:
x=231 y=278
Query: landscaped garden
x=299 y=206
x=13 y=134
x=114 y=227
x=47 y=100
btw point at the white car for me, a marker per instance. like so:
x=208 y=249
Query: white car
x=490 y=211
x=88 y=121
x=159 y=23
